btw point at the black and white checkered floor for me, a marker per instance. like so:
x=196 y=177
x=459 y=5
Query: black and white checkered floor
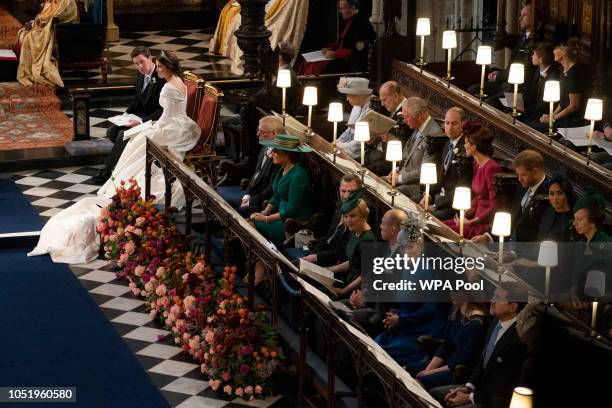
x=190 y=46
x=173 y=371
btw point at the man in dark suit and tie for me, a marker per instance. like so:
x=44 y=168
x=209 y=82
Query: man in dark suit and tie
x=443 y=192
x=415 y=150
x=499 y=368
x=520 y=54
x=250 y=196
x=145 y=105
x=392 y=99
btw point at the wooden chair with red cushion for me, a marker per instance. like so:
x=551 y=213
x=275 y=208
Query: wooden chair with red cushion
x=203 y=157
x=195 y=91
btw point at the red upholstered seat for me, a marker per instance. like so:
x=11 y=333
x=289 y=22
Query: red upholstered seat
x=195 y=86
x=203 y=157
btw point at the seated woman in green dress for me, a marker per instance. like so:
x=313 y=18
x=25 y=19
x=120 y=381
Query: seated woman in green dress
x=355 y=213
x=291 y=192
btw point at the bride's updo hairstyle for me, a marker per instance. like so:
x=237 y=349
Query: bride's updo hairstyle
x=169 y=60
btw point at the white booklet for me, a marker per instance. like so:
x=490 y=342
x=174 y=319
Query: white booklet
x=378 y=123
x=508 y=100
x=136 y=129
x=604 y=144
x=579 y=136
x=324 y=276
x=315 y=56
x=123 y=120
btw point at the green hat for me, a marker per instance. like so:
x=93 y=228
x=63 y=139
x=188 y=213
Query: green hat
x=288 y=143
x=592 y=198
x=351 y=201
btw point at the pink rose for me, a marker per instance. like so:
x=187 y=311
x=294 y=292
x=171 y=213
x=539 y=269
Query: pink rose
x=198 y=268
x=139 y=271
x=248 y=390
x=189 y=301
x=214 y=384
x=160 y=272
x=210 y=336
x=161 y=290
x=258 y=389
x=130 y=247
x=239 y=391
x=205 y=357
x=227 y=389
x=226 y=376
x=140 y=221
x=185 y=276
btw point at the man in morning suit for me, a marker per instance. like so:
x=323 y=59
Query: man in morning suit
x=251 y=194
x=145 y=105
x=499 y=368
x=415 y=150
x=444 y=191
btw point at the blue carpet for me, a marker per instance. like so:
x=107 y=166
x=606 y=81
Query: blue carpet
x=53 y=334
x=16 y=213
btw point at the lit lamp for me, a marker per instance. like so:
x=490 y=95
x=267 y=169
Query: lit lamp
x=552 y=94
x=422 y=29
x=516 y=76
x=593 y=113
x=335 y=115
x=283 y=80
x=548 y=257
x=429 y=176
x=462 y=201
x=449 y=41
x=522 y=397
x=362 y=134
x=501 y=227
x=394 y=154
x=310 y=100
x=483 y=58
x=595 y=287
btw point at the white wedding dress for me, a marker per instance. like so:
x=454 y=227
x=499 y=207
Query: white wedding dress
x=70 y=236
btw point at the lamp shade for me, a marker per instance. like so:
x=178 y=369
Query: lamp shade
x=283 y=78
x=429 y=174
x=362 y=131
x=449 y=39
x=516 y=74
x=423 y=27
x=483 y=57
x=595 y=284
x=552 y=91
x=594 y=109
x=549 y=254
x=394 y=150
x=310 y=96
x=502 y=224
x=521 y=398
x=462 y=199
x=335 y=112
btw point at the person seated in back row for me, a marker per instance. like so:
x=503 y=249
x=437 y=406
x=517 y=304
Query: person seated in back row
x=350 y=52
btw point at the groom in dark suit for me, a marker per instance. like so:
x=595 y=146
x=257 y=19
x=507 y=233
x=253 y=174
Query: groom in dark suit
x=145 y=105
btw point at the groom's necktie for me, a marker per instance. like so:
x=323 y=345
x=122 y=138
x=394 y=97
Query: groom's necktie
x=146 y=82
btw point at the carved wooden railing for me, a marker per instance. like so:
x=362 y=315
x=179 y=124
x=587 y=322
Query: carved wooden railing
x=393 y=379
x=510 y=137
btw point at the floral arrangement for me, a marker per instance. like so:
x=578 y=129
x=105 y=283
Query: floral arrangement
x=237 y=348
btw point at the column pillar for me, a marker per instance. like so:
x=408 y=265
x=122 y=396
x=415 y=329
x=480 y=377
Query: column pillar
x=376 y=19
x=112 y=30
x=252 y=34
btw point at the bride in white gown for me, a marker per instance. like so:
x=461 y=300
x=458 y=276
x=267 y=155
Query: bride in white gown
x=70 y=236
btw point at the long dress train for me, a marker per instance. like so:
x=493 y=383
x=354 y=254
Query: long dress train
x=70 y=235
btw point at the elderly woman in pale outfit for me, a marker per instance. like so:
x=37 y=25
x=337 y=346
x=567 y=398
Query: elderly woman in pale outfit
x=286 y=20
x=358 y=95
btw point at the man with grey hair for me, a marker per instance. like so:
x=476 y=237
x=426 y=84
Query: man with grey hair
x=393 y=100
x=250 y=195
x=415 y=150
